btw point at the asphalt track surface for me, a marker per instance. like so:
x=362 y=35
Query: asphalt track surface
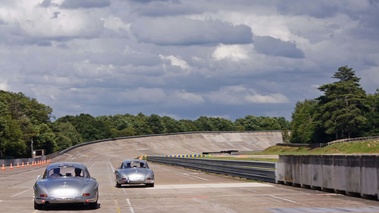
x=176 y=190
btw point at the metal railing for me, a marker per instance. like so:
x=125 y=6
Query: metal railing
x=253 y=170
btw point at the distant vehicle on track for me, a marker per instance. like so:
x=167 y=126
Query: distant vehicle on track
x=66 y=183
x=134 y=171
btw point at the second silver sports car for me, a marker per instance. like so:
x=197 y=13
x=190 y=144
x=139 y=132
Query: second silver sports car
x=66 y=183
x=133 y=171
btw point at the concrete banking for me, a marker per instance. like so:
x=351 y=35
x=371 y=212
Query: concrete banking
x=198 y=142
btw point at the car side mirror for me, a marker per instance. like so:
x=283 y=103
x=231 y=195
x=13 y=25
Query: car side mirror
x=39 y=177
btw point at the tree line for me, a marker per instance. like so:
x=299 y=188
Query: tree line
x=25 y=123
x=343 y=111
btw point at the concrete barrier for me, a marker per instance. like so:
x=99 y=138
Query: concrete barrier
x=347 y=174
x=315 y=162
x=369 y=175
x=339 y=182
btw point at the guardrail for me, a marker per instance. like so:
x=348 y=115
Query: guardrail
x=353 y=140
x=316 y=145
x=253 y=170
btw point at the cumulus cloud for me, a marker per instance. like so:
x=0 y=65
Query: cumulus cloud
x=231 y=52
x=187 y=97
x=74 y=4
x=270 y=46
x=3 y=86
x=171 y=31
x=175 y=61
x=31 y=22
x=183 y=58
x=115 y=23
x=276 y=98
x=238 y=95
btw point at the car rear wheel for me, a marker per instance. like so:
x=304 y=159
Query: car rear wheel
x=37 y=206
x=150 y=184
x=118 y=185
x=93 y=205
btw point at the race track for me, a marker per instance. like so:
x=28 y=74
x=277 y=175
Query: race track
x=176 y=189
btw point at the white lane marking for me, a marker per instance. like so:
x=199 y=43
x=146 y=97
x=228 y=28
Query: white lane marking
x=111 y=165
x=21 y=192
x=280 y=198
x=130 y=205
x=215 y=185
x=111 y=180
x=128 y=201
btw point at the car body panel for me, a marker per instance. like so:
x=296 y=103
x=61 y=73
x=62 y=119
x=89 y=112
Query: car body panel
x=134 y=171
x=65 y=186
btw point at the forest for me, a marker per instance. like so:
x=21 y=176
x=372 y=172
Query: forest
x=343 y=111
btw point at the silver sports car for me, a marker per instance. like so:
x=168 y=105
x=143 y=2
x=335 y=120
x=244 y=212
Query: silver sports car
x=133 y=171
x=63 y=183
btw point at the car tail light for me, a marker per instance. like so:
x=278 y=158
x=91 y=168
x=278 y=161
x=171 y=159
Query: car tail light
x=86 y=194
x=43 y=195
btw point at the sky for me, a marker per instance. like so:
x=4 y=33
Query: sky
x=184 y=58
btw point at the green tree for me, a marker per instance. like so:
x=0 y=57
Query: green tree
x=204 y=123
x=155 y=124
x=20 y=117
x=171 y=125
x=372 y=125
x=253 y=123
x=188 y=125
x=89 y=127
x=46 y=139
x=342 y=107
x=66 y=135
x=303 y=126
x=11 y=142
x=140 y=125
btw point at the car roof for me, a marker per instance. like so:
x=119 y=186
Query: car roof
x=63 y=164
x=136 y=160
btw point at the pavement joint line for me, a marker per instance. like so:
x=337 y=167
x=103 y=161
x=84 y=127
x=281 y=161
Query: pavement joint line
x=280 y=198
x=118 y=209
x=21 y=192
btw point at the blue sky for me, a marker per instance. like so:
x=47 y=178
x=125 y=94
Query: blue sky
x=181 y=58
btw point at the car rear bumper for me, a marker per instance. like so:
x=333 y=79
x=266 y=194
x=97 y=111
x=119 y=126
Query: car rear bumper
x=62 y=200
x=135 y=182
